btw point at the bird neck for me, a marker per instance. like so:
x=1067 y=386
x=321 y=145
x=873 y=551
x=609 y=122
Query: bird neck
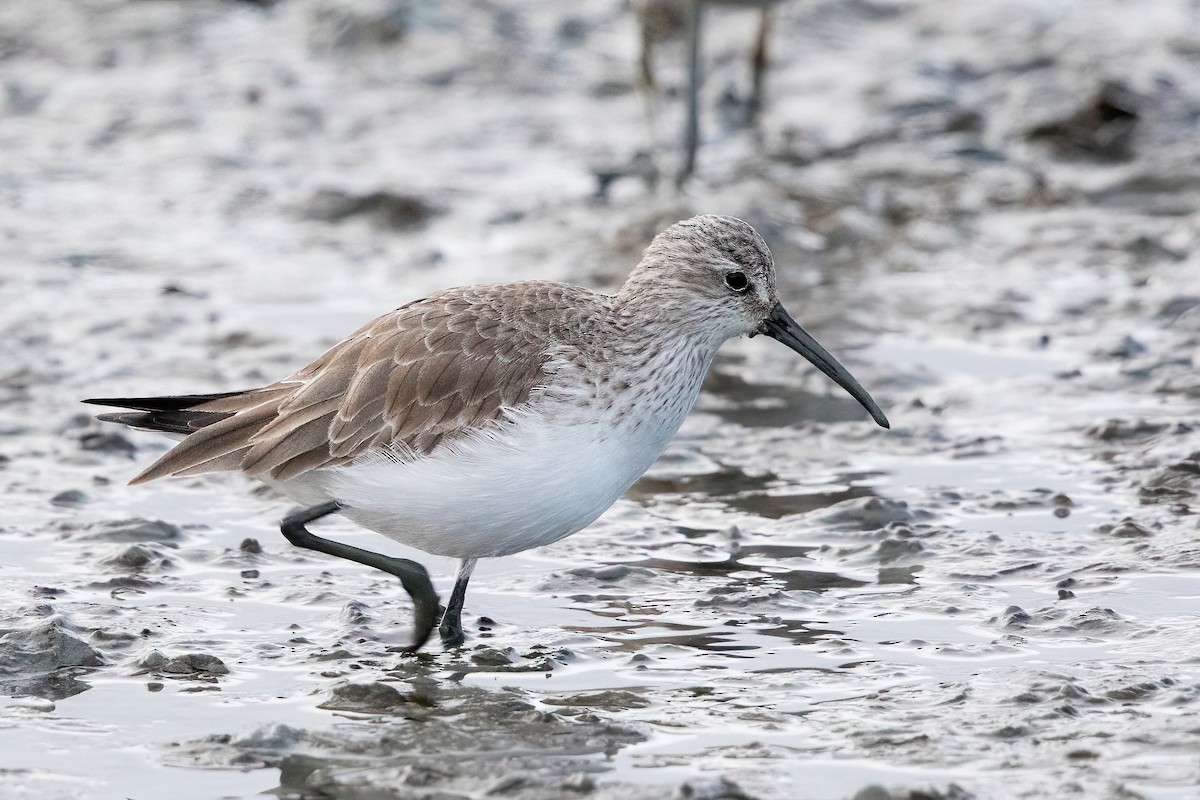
x=657 y=320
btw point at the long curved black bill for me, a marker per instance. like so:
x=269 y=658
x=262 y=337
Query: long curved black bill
x=780 y=325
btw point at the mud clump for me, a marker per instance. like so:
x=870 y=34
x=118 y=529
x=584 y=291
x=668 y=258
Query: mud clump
x=354 y=27
x=133 y=531
x=1122 y=430
x=188 y=665
x=1175 y=483
x=867 y=513
x=39 y=660
x=367 y=698
x=1098 y=621
x=1125 y=529
x=502 y=746
x=893 y=550
x=720 y=789
x=778 y=506
x=1176 y=307
x=952 y=792
x=195 y=664
x=71 y=498
x=491 y=659
x=385 y=209
x=724 y=482
x=1102 y=129
x=612 y=700
x=606 y=574
x=138 y=557
x=49 y=646
x=107 y=442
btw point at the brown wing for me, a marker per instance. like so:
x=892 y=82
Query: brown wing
x=416 y=377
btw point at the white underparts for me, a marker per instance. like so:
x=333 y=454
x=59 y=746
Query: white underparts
x=541 y=474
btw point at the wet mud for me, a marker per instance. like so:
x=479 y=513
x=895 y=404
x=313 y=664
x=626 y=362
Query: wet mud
x=988 y=212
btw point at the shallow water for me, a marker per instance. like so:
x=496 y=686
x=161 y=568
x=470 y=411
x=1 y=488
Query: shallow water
x=996 y=598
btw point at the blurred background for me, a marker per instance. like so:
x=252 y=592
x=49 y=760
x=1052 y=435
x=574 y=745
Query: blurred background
x=986 y=210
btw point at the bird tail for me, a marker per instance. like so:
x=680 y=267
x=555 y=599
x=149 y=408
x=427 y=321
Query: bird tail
x=208 y=446
x=173 y=414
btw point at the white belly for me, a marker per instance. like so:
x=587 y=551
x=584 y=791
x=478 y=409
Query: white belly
x=522 y=485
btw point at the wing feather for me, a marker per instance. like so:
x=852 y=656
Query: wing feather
x=216 y=447
x=413 y=379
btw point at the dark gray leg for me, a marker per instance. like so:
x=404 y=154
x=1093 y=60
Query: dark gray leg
x=758 y=62
x=691 y=133
x=646 y=60
x=412 y=575
x=451 y=627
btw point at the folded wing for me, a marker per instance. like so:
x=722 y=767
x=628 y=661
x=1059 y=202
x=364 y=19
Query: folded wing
x=410 y=380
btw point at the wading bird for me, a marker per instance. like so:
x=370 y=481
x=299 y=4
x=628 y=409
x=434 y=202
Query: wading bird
x=485 y=420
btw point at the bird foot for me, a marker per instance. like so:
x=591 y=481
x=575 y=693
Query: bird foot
x=451 y=631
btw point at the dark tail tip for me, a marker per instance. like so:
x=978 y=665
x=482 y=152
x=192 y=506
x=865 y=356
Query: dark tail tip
x=179 y=402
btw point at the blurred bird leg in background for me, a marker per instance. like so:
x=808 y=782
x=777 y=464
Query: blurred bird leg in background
x=662 y=21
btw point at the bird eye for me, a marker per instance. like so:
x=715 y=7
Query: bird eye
x=737 y=281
